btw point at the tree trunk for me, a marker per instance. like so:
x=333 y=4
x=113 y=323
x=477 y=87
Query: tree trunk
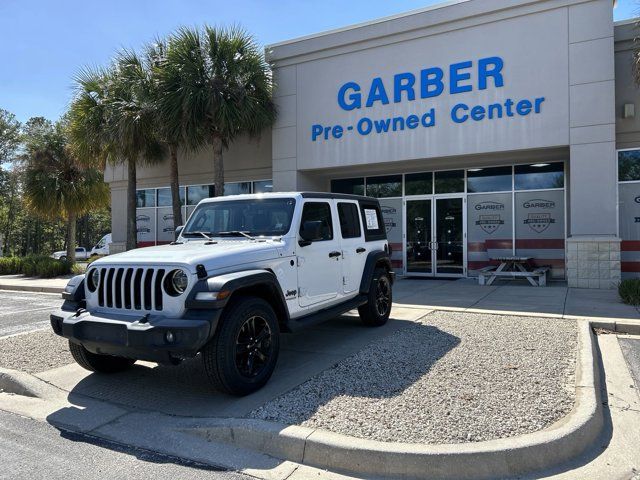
x=218 y=166
x=175 y=187
x=132 y=230
x=71 y=237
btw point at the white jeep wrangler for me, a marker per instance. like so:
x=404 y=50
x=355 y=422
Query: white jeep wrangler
x=242 y=270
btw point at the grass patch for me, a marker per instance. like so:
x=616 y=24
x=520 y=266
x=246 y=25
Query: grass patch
x=35 y=266
x=629 y=291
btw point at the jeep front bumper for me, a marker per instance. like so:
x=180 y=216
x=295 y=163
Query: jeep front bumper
x=156 y=339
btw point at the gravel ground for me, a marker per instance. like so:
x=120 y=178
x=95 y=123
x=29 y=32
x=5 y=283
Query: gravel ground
x=34 y=352
x=450 y=378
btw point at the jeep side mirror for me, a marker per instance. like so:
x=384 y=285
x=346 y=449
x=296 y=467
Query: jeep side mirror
x=311 y=231
x=178 y=230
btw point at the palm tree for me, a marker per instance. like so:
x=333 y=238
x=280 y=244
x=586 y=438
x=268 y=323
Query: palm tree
x=58 y=185
x=169 y=135
x=216 y=85
x=113 y=120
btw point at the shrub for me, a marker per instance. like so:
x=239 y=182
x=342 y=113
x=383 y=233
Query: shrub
x=10 y=265
x=35 y=266
x=629 y=291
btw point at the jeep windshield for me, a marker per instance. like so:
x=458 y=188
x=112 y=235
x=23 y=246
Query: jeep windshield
x=255 y=217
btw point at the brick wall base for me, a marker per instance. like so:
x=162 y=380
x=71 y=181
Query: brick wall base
x=593 y=262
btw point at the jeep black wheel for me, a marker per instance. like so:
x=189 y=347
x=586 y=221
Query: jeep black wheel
x=242 y=356
x=98 y=363
x=376 y=311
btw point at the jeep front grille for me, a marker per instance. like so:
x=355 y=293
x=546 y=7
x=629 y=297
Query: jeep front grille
x=131 y=288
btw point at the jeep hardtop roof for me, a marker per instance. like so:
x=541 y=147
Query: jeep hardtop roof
x=336 y=196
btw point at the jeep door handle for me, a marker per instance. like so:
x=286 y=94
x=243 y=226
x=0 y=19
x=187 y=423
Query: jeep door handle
x=334 y=254
x=361 y=250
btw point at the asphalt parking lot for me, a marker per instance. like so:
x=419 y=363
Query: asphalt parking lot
x=25 y=311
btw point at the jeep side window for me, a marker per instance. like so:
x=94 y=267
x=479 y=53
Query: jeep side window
x=349 y=220
x=318 y=212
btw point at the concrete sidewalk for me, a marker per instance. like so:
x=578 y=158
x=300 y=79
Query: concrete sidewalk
x=33 y=284
x=555 y=300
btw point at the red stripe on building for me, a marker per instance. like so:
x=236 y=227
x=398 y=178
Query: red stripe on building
x=553 y=262
x=498 y=244
x=493 y=244
x=145 y=244
x=630 y=267
x=630 y=246
x=541 y=243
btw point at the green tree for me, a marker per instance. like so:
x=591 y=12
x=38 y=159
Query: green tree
x=168 y=133
x=215 y=85
x=57 y=184
x=9 y=135
x=113 y=119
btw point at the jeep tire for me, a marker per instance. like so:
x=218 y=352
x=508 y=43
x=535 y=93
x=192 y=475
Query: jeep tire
x=95 y=362
x=242 y=355
x=376 y=311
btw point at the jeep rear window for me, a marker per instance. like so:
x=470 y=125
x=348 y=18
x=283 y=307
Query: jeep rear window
x=267 y=217
x=374 y=228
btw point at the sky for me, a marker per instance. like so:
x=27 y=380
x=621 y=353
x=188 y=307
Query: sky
x=45 y=42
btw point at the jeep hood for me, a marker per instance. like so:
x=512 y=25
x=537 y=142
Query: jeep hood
x=223 y=254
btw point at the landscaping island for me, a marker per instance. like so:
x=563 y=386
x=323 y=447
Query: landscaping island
x=448 y=378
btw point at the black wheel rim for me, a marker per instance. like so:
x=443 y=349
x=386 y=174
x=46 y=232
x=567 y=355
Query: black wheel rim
x=383 y=296
x=254 y=347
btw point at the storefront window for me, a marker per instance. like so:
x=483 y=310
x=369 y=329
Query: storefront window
x=451 y=181
x=197 y=193
x=629 y=212
x=489 y=228
x=351 y=186
x=238 y=188
x=539 y=218
x=418 y=183
x=489 y=179
x=146 y=226
x=539 y=176
x=146 y=198
x=164 y=197
x=385 y=186
x=263 y=186
x=629 y=165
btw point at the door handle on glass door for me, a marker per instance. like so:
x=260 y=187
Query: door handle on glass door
x=361 y=250
x=334 y=254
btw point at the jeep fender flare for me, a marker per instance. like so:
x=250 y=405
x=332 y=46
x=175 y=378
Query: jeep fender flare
x=261 y=283
x=378 y=259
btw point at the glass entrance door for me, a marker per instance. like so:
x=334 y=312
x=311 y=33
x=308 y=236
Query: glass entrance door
x=449 y=236
x=434 y=238
x=418 y=240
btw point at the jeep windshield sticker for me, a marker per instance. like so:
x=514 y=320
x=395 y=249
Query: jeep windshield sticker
x=372 y=219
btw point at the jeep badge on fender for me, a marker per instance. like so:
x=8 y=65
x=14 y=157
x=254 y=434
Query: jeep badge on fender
x=243 y=269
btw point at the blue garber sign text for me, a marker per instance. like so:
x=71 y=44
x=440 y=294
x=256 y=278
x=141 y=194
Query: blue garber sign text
x=429 y=83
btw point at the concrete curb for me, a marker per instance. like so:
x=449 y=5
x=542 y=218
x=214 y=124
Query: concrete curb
x=563 y=441
x=30 y=288
x=630 y=327
x=22 y=383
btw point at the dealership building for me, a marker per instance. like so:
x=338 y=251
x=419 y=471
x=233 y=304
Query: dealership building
x=486 y=128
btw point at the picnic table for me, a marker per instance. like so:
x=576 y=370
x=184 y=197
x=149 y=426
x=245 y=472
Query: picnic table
x=514 y=267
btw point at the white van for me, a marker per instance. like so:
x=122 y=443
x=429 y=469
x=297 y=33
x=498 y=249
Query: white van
x=102 y=247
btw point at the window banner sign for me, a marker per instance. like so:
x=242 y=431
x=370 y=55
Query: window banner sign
x=629 y=211
x=540 y=228
x=392 y=216
x=489 y=229
x=146 y=226
x=165 y=225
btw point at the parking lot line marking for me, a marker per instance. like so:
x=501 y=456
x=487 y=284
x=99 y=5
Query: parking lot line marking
x=13 y=312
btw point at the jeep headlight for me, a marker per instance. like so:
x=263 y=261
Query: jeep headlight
x=176 y=282
x=93 y=279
